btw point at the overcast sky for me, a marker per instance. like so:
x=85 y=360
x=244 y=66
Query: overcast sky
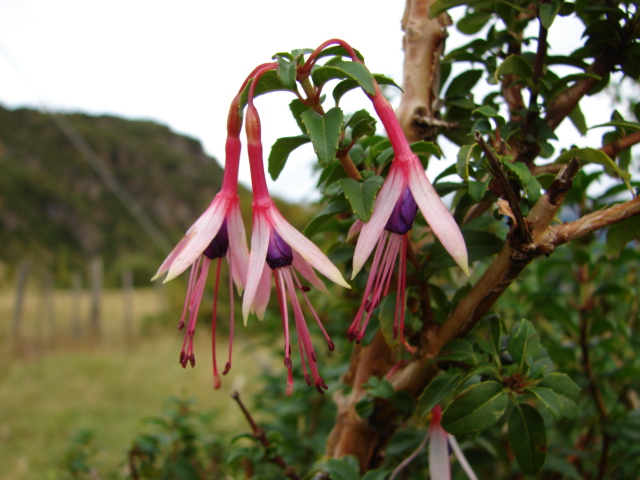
x=180 y=63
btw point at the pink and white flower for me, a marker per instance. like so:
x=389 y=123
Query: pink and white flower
x=218 y=233
x=278 y=248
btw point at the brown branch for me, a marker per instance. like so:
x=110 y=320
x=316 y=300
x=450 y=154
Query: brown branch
x=496 y=169
x=614 y=148
x=562 y=105
x=259 y=434
x=423 y=45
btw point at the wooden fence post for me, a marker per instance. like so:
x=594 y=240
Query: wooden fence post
x=76 y=299
x=95 y=275
x=21 y=284
x=127 y=301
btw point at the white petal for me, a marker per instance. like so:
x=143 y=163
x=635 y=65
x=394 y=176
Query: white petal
x=461 y=458
x=306 y=248
x=257 y=257
x=261 y=300
x=164 y=268
x=303 y=267
x=200 y=235
x=382 y=208
x=238 y=251
x=439 y=467
x=355 y=229
x=437 y=216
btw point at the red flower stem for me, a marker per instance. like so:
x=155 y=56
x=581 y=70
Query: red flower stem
x=254 y=141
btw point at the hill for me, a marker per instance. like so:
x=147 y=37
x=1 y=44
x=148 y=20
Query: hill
x=57 y=211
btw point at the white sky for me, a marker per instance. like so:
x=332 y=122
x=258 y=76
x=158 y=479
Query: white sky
x=181 y=63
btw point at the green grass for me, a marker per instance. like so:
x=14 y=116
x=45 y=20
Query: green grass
x=51 y=389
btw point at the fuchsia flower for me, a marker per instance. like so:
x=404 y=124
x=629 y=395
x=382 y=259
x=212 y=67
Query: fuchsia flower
x=278 y=248
x=405 y=190
x=218 y=233
x=439 y=443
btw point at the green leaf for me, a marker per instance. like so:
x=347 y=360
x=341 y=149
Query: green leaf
x=515 y=65
x=386 y=317
x=362 y=123
x=577 y=118
x=297 y=108
x=329 y=211
x=280 y=152
x=496 y=334
x=473 y=22
x=591 y=155
x=480 y=244
x=477 y=189
x=349 y=84
x=269 y=82
x=463 y=83
x=562 y=384
x=377 y=474
x=523 y=344
x=528 y=437
x=621 y=233
x=325 y=133
x=342 y=469
x=464 y=156
x=458 y=351
x=440 y=6
x=286 y=71
x=438 y=388
x=475 y=409
x=548 y=12
x=345 y=70
x=361 y=196
x=620 y=124
x=559 y=407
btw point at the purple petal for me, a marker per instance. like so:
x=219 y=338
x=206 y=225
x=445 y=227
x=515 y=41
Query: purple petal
x=437 y=216
x=386 y=200
x=306 y=248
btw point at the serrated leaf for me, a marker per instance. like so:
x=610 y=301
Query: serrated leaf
x=515 y=65
x=280 y=152
x=286 y=72
x=361 y=195
x=477 y=189
x=591 y=155
x=329 y=211
x=523 y=344
x=438 y=388
x=459 y=351
x=475 y=409
x=345 y=70
x=325 y=133
x=464 y=156
x=562 y=384
x=528 y=437
x=558 y=406
x=361 y=123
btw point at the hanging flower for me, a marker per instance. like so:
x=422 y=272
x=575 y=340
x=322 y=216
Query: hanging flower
x=281 y=251
x=405 y=191
x=439 y=442
x=218 y=233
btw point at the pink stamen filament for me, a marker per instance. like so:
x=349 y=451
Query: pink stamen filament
x=304 y=338
x=217 y=382
x=227 y=367
x=201 y=267
x=282 y=302
x=303 y=290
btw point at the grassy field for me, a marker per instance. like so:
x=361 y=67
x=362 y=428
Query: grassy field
x=52 y=386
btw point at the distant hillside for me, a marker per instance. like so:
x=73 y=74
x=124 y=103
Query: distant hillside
x=56 y=210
